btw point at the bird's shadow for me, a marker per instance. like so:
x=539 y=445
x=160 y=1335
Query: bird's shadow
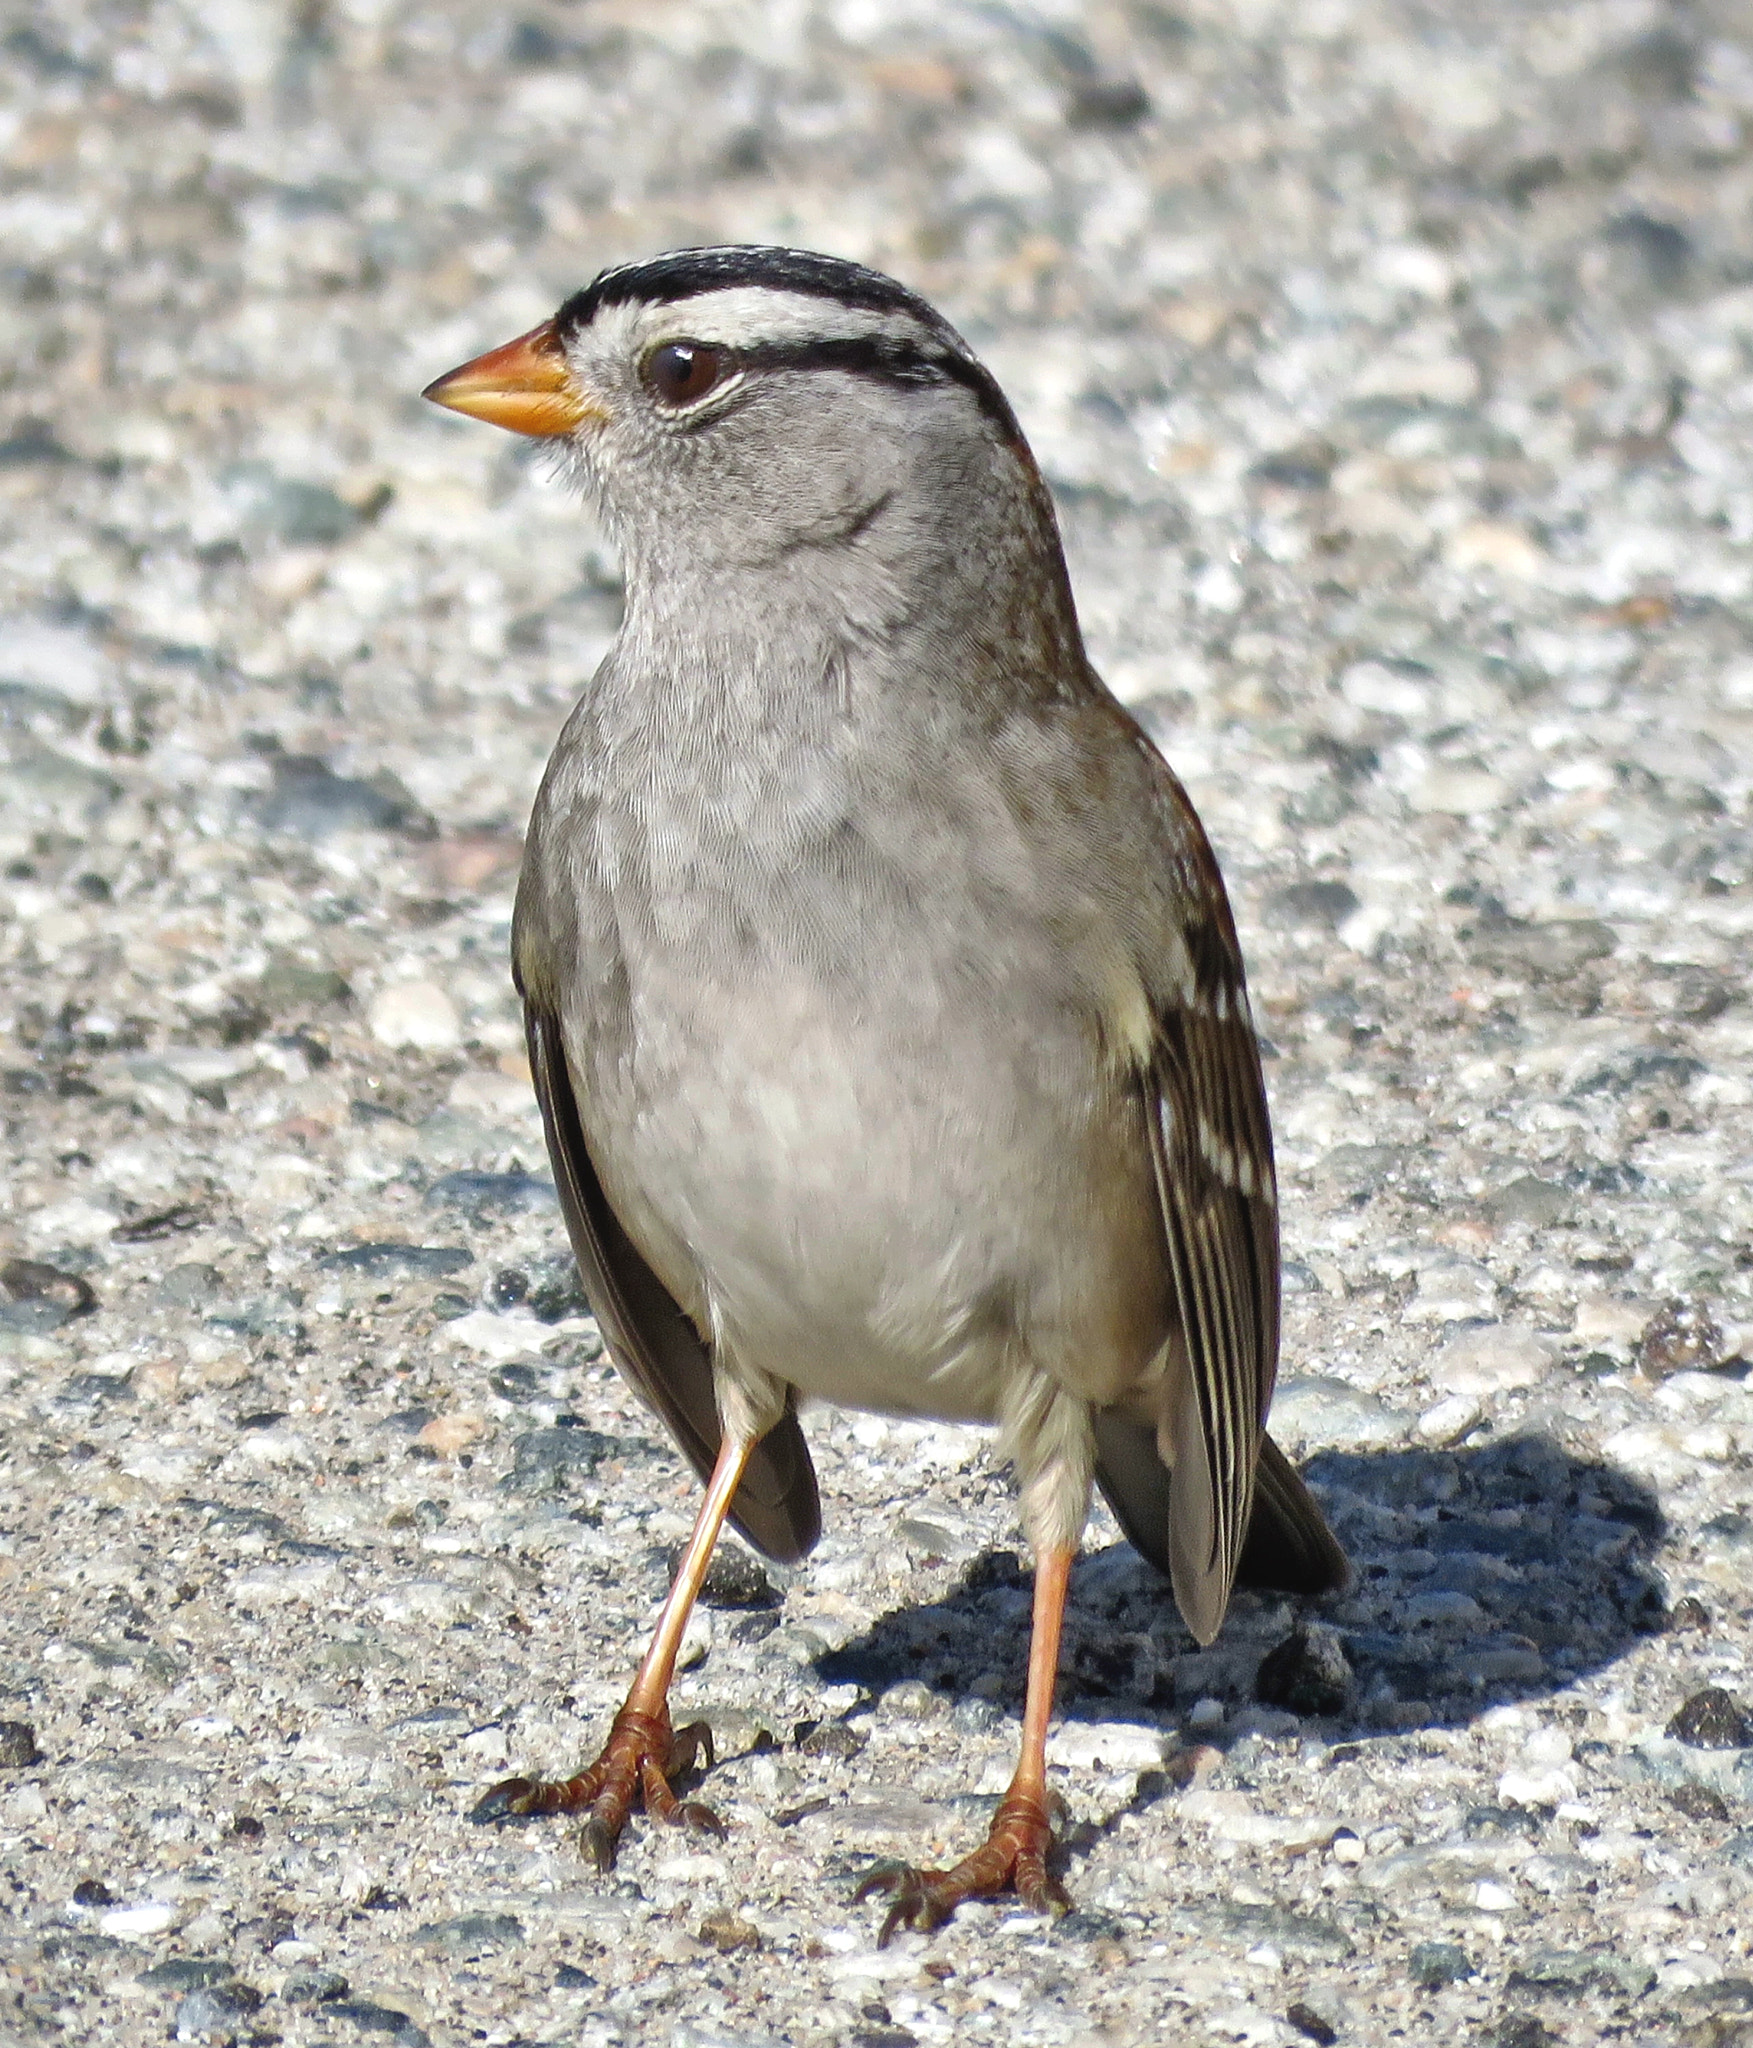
x=1482 y=1576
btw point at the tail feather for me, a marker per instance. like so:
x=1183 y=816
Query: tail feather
x=1289 y=1547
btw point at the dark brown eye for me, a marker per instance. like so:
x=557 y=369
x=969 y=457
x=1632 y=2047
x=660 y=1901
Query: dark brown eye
x=679 y=372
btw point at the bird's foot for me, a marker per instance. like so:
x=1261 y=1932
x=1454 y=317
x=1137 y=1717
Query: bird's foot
x=639 y=1760
x=1013 y=1858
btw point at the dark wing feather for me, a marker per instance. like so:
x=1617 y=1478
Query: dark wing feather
x=1211 y=1145
x=652 y=1342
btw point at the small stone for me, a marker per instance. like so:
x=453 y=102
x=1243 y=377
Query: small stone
x=215 y=2012
x=1302 y=904
x=291 y=988
x=450 y=1435
x=36 y=1298
x=1453 y=1291
x=392 y=1260
x=1688 y=1615
x=1432 y=1964
x=371 y=2018
x=1519 y=2030
x=1542 y=952
x=569 y=1977
x=1489 y=544
x=1318 y=1410
x=92 y=1891
x=471 y=1934
x=734 y=1579
x=724 y=1931
x=1495 y=1360
x=1682 y=1336
x=1313 y=2026
x=482 y=1195
x=415 y=1015
x=313 y=1986
x=830 y=1739
x=1528 y=1199
x=18 y=1746
x=1307 y=1673
x=188 y=1973
x=1712 y=1719
x=545 y=1460
x=1105 y=1746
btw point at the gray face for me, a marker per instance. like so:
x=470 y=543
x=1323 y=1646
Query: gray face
x=737 y=426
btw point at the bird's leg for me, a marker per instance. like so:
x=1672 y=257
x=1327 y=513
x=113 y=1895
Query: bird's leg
x=1013 y=1858
x=643 y=1753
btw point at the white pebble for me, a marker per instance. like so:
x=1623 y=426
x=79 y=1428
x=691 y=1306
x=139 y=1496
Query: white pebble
x=131 y=1923
x=417 y=1015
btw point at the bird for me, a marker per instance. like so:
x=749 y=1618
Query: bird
x=882 y=995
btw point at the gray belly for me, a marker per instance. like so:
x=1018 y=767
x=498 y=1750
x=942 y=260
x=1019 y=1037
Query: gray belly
x=896 y=1202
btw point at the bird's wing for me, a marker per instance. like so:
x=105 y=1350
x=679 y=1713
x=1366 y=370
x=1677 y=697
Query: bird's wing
x=1211 y=1145
x=652 y=1342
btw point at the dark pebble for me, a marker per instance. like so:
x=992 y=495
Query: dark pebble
x=1312 y=903
x=1311 y=2025
x=289 y=987
x=471 y=1933
x=447 y=1307
x=543 y=1460
x=379 y=2019
x=1307 y=1673
x=507 y=1288
x=1433 y=1964
x=733 y=1578
x=313 y=1987
x=1486 y=1823
x=1108 y=103
x=1688 y=1615
x=91 y=1891
x=1682 y=1336
x=1519 y=2030
x=215 y=2013
x=18 y=1745
x=311 y=801
x=831 y=1739
x=36 y=1298
x=570 y=1978
x=393 y=1261
x=188 y=1973
x=1712 y=1719
x=287 y=508
x=1699 y=1802
x=492 y=1194
x=189 y=1284
x=727 y=1932
x=159 y=1223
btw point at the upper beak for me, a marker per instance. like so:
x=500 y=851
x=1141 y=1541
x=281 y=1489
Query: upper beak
x=527 y=386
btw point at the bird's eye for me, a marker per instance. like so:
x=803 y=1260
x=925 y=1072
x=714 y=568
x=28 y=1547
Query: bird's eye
x=679 y=372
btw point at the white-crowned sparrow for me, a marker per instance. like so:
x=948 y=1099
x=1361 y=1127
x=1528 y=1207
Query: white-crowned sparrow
x=883 y=998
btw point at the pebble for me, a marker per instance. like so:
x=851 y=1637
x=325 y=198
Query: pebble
x=18 y=1746
x=1308 y=1673
x=1314 y=1409
x=1712 y=1719
x=397 y=1261
x=1499 y=1359
x=415 y=1015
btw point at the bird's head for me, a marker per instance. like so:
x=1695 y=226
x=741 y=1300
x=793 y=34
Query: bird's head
x=741 y=407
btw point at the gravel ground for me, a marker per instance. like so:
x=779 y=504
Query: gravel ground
x=1392 y=364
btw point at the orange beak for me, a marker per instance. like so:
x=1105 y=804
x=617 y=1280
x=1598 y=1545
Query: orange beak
x=526 y=386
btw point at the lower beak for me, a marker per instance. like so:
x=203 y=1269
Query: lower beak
x=526 y=386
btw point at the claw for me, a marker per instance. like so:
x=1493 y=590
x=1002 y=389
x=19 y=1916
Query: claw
x=1013 y=1858
x=637 y=1762
x=511 y=1799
